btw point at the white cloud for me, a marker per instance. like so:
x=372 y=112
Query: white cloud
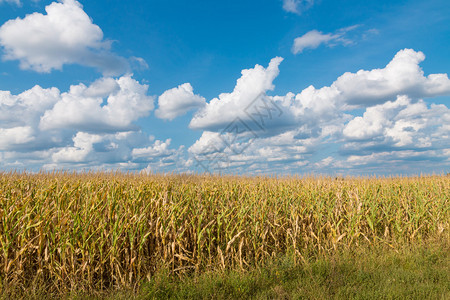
x=16 y=135
x=263 y=155
x=207 y=143
x=397 y=162
x=27 y=107
x=314 y=39
x=313 y=109
x=125 y=150
x=82 y=128
x=94 y=126
x=83 y=145
x=402 y=76
x=158 y=149
x=138 y=63
x=159 y=156
x=21 y=113
x=223 y=110
x=65 y=35
x=401 y=123
x=297 y=6
x=178 y=101
x=83 y=108
x=324 y=162
x=396 y=119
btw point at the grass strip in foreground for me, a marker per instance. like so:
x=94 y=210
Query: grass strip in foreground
x=421 y=273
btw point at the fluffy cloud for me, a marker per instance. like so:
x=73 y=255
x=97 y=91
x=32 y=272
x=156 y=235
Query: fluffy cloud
x=10 y=137
x=286 y=151
x=130 y=148
x=65 y=35
x=125 y=150
x=396 y=119
x=94 y=126
x=248 y=109
x=115 y=151
x=159 y=151
x=154 y=150
x=402 y=76
x=88 y=127
x=297 y=6
x=178 y=101
x=84 y=108
x=401 y=123
x=83 y=146
x=220 y=111
x=314 y=39
x=20 y=116
x=27 y=107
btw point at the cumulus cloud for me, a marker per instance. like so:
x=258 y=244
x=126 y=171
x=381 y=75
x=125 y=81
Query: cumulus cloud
x=87 y=127
x=20 y=116
x=107 y=105
x=248 y=109
x=401 y=123
x=129 y=150
x=402 y=76
x=95 y=126
x=103 y=151
x=83 y=146
x=220 y=111
x=158 y=148
x=65 y=35
x=159 y=154
x=315 y=38
x=27 y=107
x=209 y=142
x=325 y=107
x=297 y=6
x=10 y=137
x=279 y=153
x=397 y=119
x=178 y=101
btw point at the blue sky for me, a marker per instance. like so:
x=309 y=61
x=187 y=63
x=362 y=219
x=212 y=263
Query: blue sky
x=247 y=87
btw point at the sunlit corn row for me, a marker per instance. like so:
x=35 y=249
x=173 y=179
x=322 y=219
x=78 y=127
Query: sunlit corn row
x=97 y=231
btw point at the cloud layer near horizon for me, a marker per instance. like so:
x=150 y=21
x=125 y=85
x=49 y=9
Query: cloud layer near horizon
x=85 y=127
x=95 y=126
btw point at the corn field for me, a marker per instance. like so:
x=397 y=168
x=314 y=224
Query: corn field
x=97 y=231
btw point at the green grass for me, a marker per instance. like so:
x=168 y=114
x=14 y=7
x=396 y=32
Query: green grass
x=420 y=273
